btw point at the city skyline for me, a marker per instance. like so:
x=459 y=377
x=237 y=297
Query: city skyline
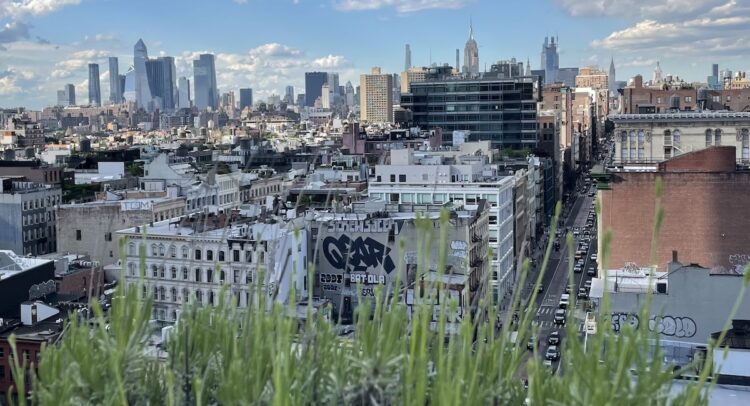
x=39 y=56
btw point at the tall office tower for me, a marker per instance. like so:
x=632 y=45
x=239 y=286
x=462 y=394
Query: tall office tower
x=658 y=75
x=325 y=96
x=161 y=81
x=407 y=57
x=115 y=92
x=289 y=95
x=70 y=90
x=300 y=99
x=227 y=101
x=313 y=84
x=140 y=87
x=612 y=85
x=376 y=97
x=204 y=81
x=550 y=60
x=349 y=94
x=62 y=98
x=121 y=83
x=183 y=93
x=471 y=54
x=95 y=91
x=333 y=82
x=713 y=80
x=246 y=98
x=458 y=60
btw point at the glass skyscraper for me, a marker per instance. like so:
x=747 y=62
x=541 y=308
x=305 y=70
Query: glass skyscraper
x=204 y=82
x=161 y=81
x=115 y=91
x=95 y=92
x=314 y=82
x=246 y=98
x=140 y=76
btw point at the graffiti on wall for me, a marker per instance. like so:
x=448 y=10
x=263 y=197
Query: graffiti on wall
x=363 y=254
x=459 y=248
x=739 y=262
x=670 y=326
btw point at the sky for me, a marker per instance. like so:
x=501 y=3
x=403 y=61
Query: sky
x=269 y=44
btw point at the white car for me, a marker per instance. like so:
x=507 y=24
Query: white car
x=594 y=257
x=564 y=300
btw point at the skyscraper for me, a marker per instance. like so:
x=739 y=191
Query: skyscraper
x=95 y=92
x=121 y=83
x=246 y=98
x=140 y=87
x=313 y=84
x=471 y=54
x=376 y=97
x=658 y=75
x=183 y=93
x=204 y=81
x=115 y=91
x=612 y=85
x=349 y=93
x=458 y=60
x=70 y=90
x=161 y=81
x=550 y=60
x=325 y=96
x=407 y=57
x=289 y=95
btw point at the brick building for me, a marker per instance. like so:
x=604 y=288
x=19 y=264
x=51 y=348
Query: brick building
x=705 y=200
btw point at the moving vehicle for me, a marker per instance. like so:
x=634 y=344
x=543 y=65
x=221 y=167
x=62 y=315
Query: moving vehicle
x=552 y=354
x=554 y=338
x=591 y=271
x=532 y=342
x=583 y=294
x=559 y=316
x=564 y=300
x=594 y=257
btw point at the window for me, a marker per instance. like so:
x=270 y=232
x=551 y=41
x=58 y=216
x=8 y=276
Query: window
x=131 y=269
x=688 y=99
x=222 y=276
x=209 y=255
x=199 y=296
x=161 y=271
x=173 y=272
x=198 y=254
x=393 y=178
x=709 y=138
x=236 y=255
x=717 y=137
x=173 y=293
x=676 y=137
x=161 y=250
x=185 y=294
x=211 y=297
x=107 y=236
x=162 y=293
x=249 y=255
x=402 y=178
x=154 y=271
x=236 y=277
x=221 y=256
x=131 y=249
x=209 y=275
x=185 y=252
x=197 y=274
x=172 y=251
x=78 y=235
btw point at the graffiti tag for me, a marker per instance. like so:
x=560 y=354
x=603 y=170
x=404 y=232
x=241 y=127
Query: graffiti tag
x=739 y=262
x=459 y=245
x=670 y=326
x=362 y=253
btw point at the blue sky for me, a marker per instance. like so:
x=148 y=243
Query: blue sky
x=268 y=44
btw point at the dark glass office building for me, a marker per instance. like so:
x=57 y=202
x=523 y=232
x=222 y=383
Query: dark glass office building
x=501 y=110
x=246 y=98
x=161 y=81
x=314 y=82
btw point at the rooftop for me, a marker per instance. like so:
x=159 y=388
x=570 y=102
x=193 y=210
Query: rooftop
x=682 y=115
x=11 y=264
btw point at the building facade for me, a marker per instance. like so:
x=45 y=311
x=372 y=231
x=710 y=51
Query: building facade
x=28 y=216
x=376 y=97
x=95 y=91
x=314 y=82
x=500 y=110
x=204 y=81
x=115 y=91
x=644 y=138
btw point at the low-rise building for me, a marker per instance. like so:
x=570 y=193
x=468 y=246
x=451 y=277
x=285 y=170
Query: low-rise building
x=28 y=216
x=89 y=228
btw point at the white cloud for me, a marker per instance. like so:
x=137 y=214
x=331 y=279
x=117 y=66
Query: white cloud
x=640 y=8
x=638 y=62
x=16 y=9
x=329 y=62
x=401 y=6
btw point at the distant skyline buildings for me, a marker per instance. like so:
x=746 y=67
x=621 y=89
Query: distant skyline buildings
x=313 y=85
x=204 y=82
x=95 y=91
x=140 y=77
x=471 y=54
x=246 y=98
x=289 y=95
x=161 y=74
x=67 y=96
x=183 y=93
x=407 y=57
x=550 y=61
x=115 y=89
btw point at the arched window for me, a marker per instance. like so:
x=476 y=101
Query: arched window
x=199 y=296
x=197 y=254
x=173 y=272
x=162 y=293
x=154 y=271
x=172 y=251
x=221 y=255
x=131 y=269
x=211 y=297
x=156 y=293
x=184 y=273
x=131 y=249
x=174 y=315
x=209 y=255
x=222 y=276
x=144 y=292
x=717 y=136
x=161 y=250
x=173 y=291
x=161 y=271
x=185 y=294
x=185 y=251
x=197 y=274
x=709 y=137
x=209 y=275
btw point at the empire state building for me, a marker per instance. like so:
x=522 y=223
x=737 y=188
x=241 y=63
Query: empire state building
x=471 y=55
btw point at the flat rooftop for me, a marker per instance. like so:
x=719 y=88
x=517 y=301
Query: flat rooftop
x=11 y=264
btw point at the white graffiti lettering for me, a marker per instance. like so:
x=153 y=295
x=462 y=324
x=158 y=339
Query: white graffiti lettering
x=670 y=326
x=739 y=262
x=459 y=245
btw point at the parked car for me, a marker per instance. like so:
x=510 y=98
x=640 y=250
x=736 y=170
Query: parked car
x=583 y=294
x=578 y=268
x=554 y=338
x=552 y=354
x=594 y=257
x=591 y=271
x=587 y=284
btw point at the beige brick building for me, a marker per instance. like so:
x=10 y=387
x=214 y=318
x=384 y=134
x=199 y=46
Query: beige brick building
x=376 y=97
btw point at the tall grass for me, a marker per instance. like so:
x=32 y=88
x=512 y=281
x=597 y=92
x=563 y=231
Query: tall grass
x=229 y=356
